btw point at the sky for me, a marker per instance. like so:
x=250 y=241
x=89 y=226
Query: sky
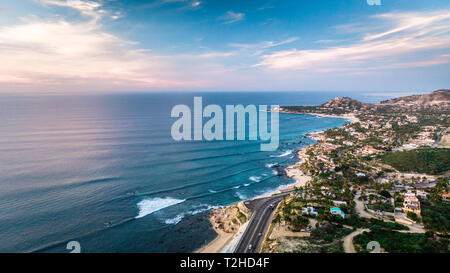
x=88 y=46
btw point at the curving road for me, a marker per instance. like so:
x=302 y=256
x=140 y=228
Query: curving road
x=258 y=224
x=360 y=208
x=348 y=240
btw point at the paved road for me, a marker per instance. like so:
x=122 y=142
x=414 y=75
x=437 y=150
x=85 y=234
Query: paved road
x=258 y=224
x=438 y=138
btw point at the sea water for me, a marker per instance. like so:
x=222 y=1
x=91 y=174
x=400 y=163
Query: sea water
x=103 y=170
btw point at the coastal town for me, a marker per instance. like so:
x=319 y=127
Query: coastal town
x=383 y=177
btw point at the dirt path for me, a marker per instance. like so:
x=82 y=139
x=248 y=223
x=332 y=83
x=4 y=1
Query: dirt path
x=414 y=228
x=348 y=240
x=360 y=209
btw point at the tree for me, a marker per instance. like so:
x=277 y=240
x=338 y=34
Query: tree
x=385 y=194
x=412 y=216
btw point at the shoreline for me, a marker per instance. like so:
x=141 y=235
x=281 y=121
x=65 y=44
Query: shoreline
x=350 y=117
x=217 y=244
x=224 y=240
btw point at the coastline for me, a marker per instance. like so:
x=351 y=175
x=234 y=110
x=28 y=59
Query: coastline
x=227 y=241
x=350 y=116
x=217 y=244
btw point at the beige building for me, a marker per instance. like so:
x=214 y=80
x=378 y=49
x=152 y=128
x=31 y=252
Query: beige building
x=411 y=203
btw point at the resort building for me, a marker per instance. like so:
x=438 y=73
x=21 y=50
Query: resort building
x=339 y=203
x=422 y=194
x=309 y=211
x=411 y=203
x=337 y=211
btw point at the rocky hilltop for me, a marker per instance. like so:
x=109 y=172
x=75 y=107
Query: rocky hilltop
x=437 y=101
x=434 y=98
x=344 y=103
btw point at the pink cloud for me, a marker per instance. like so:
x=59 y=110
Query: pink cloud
x=401 y=35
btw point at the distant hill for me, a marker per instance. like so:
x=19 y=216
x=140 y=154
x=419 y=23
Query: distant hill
x=437 y=97
x=437 y=101
x=344 y=103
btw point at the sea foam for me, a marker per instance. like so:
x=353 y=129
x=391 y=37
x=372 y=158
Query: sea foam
x=241 y=196
x=255 y=178
x=148 y=206
x=286 y=153
x=179 y=217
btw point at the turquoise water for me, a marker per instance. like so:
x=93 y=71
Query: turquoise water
x=103 y=170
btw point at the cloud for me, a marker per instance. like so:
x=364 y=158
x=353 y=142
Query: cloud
x=195 y=4
x=57 y=54
x=385 y=42
x=87 y=8
x=266 y=44
x=232 y=17
x=93 y=9
x=41 y=54
x=185 y=4
x=55 y=51
x=259 y=48
x=61 y=55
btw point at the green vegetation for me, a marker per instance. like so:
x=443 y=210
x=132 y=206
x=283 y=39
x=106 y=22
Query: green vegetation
x=297 y=223
x=382 y=207
x=397 y=242
x=441 y=187
x=413 y=216
x=425 y=160
x=354 y=220
x=358 y=158
x=436 y=217
x=377 y=224
x=357 y=222
x=242 y=217
x=329 y=232
x=385 y=193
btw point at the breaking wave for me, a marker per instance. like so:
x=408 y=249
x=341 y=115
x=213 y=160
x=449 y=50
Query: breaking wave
x=255 y=178
x=286 y=153
x=179 y=217
x=148 y=206
x=241 y=195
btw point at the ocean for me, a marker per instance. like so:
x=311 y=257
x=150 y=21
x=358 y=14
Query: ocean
x=103 y=170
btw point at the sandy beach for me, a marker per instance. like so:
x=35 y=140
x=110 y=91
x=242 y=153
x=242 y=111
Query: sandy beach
x=350 y=116
x=228 y=231
x=218 y=244
x=225 y=240
x=295 y=173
